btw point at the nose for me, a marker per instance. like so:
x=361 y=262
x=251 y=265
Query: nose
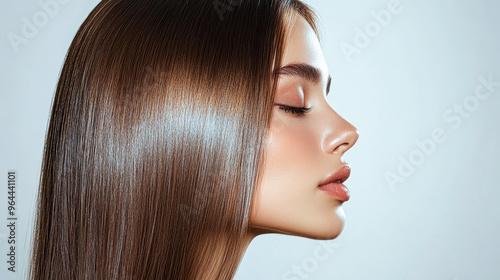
x=339 y=135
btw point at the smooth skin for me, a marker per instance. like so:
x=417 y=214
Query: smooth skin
x=302 y=150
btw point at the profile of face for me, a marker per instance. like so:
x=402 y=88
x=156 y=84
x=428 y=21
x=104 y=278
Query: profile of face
x=304 y=148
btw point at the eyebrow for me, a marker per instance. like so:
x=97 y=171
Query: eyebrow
x=305 y=71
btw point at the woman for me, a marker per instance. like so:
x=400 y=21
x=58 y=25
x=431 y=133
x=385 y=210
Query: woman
x=175 y=139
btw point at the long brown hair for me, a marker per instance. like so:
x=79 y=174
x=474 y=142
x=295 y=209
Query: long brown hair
x=156 y=137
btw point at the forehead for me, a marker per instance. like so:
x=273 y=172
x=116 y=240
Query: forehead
x=302 y=45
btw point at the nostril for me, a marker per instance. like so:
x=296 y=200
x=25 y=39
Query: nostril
x=340 y=138
x=341 y=148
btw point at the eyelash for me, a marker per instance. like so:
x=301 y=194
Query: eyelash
x=294 y=110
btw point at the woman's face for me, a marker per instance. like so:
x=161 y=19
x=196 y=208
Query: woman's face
x=303 y=149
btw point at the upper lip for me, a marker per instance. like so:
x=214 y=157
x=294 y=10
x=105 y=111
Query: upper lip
x=340 y=175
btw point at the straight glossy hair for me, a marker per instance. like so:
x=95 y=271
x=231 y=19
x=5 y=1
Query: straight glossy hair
x=155 y=139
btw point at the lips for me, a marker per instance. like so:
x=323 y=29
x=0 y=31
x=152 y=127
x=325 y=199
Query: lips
x=334 y=186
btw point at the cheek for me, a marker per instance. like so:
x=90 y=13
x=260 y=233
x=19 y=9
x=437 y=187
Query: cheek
x=291 y=146
x=288 y=177
x=287 y=196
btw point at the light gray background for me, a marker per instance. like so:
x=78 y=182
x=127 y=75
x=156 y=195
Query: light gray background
x=403 y=84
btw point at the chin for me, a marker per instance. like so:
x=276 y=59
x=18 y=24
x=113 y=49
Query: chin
x=325 y=226
x=322 y=230
x=330 y=234
x=331 y=229
x=323 y=233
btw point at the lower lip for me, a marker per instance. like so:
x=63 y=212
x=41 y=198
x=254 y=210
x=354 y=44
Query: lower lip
x=338 y=190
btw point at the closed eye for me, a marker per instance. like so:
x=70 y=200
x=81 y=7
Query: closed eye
x=294 y=110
